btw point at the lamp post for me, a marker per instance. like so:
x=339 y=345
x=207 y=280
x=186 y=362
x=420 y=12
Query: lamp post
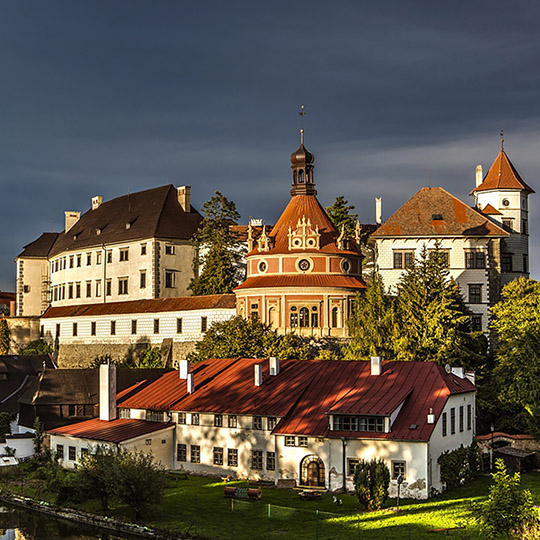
x=399 y=482
x=492 y=428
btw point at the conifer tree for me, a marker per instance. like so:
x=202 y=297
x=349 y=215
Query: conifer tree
x=341 y=215
x=4 y=337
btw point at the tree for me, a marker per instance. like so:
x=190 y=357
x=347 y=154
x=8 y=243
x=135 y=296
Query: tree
x=38 y=436
x=97 y=473
x=4 y=337
x=340 y=213
x=509 y=509
x=37 y=347
x=371 y=483
x=371 y=326
x=151 y=358
x=5 y=423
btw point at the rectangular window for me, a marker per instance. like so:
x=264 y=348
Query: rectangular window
x=476 y=323
x=109 y=257
x=108 y=287
x=156 y=326
x=195 y=453
x=444 y=425
x=403 y=259
x=461 y=419
x=525 y=264
x=169 y=249
x=134 y=326
x=452 y=421
x=70 y=290
x=469 y=417
x=181 y=417
x=233 y=421
x=75 y=328
x=257 y=422
x=57 y=330
x=124 y=413
x=179 y=326
x=84 y=452
x=506 y=263
x=169 y=279
x=79 y=260
x=359 y=423
x=475 y=259
x=72 y=453
x=232 y=457
x=475 y=294
x=123 y=285
x=524 y=226
x=71 y=261
x=302 y=441
x=98 y=288
x=78 y=289
x=195 y=419
x=113 y=328
x=88 y=259
x=154 y=416
x=271 y=422
x=142 y=280
x=143 y=249
x=508 y=224
x=93 y=328
x=398 y=468
x=290 y=440
x=270 y=461
x=218 y=455
x=60 y=451
x=98 y=257
x=124 y=254
x=351 y=465
x=257 y=459
x=88 y=289
x=204 y=324
x=181 y=452
x=218 y=420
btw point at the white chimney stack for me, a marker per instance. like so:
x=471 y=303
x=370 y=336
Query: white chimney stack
x=190 y=383
x=376 y=365
x=184 y=197
x=183 y=369
x=430 y=417
x=274 y=365
x=71 y=219
x=458 y=372
x=378 y=210
x=107 y=392
x=96 y=201
x=471 y=376
x=479 y=175
x=258 y=375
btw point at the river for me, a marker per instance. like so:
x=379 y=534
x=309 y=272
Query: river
x=17 y=524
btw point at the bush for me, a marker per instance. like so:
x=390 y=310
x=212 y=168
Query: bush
x=37 y=347
x=371 y=481
x=459 y=466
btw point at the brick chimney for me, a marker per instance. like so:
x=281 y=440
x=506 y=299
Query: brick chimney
x=96 y=201
x=107 y=392
x=71 y=219
x=184 y=197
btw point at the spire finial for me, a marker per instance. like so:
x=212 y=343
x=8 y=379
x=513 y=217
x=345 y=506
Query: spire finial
x=302 y=113
x=502 y=140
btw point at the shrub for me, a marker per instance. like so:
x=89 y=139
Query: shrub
x=460 y=465
x=371 y=481
x=37 y=347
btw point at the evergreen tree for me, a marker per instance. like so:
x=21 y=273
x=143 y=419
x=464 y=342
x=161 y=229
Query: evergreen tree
x=4 y=337
x=341 y=215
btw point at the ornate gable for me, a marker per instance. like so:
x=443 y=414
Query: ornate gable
x=304 y=236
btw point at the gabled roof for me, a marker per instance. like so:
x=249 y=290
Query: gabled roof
x=156 y=305
x=115 y=431
x=502 y=175
x=302 y=281
x=489 y=210
x=39 y=248
x=151 y=213
x=435 y=212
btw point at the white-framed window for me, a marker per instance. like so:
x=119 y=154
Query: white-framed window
x=169 y=249
x=123 y=285
x=170 y=280
x=124 y=254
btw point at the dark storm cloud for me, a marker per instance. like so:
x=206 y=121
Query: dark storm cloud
x=110 y=97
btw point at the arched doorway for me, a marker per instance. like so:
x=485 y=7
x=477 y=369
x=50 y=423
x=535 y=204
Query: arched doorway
x=312 y=471
x=273 y=319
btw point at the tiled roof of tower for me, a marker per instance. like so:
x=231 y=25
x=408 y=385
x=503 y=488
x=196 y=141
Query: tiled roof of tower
x=312 y=281
x=155 y=305
x=435 y=212
x=39 y=248
x=154 y=213
x=490 y=211
x=502 y=175
x=115 y=431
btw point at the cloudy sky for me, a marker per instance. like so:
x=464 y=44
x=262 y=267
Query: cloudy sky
x=105 y=98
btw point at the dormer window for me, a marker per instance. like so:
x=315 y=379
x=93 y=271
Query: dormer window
x=359 y=423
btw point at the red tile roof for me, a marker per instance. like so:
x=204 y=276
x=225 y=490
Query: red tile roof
x=115 y=431
x=502 y=175
x=420 y=216
x=303 y=281
x=157 y=305
x=490 y=210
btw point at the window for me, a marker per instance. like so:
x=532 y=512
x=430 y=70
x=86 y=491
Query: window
x=195 y=419
x=88 y=259
x=169 y=249
x=109 y=257
x=195 y=453
x=290 y=440
x=444 y=425
x=403 y=259
x=72 y=411
x=70 y=290
x=461 y=419
x=302 y=441
x=476 y=323
x=57 y=330
x=398 y=467
x=156 y=326
x=93 y=328
x=254 y=311
x=181 y=452
x=84 y=452
x=335 y=317
x=233 y=420
x=475 y=294
x=359 y=423
x=113 y=328
x=98 y=287
x=124 y=413
x=525 y=263
x=60 y=451
x=271 y=461
x=182 y=418
x=218 y=455
x=142 y=280
x=232 y=457
x=257 y=459
x=179 y=326
x=154 y=416
x=75 y=329
x=351 y=465
x=169 y=279
x=271 y=422
x=257 y=422
x=469 y=417
x=71 y=261
x=524 y=227
x=506 y=263
x=304 y=317
x=88 y=289
x=79 y=260
x=78 y=289
x=475 y=259
x=204 y=324
x=124 y=254
x=72 y=453
x=452 y=421
x=294 y=317
x=507 y=224
x=134 y=326
x=143 y=249
x=98 y=257
x=218 y=420
x=148 y=442
x=108 y=287
x=123 y=285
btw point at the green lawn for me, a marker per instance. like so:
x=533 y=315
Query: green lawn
x=197 y=506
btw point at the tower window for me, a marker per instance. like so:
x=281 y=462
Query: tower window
x=475 y=294
x=507 y=263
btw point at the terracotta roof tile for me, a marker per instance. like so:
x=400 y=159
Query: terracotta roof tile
x=420 y=216
x=302 y=281
x=490 y=211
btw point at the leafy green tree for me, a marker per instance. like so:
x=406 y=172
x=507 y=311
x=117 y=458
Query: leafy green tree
x=5 y=423
x=371 y=326
x=509 y=509
x=4 y=337
x=37 y=347
x=460 y=466
x=39 y=434
x=371 y=482
x=341 y=215
x=97 y=473
x=151 y=358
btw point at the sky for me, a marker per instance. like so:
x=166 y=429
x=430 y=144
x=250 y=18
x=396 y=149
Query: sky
x=108 y=98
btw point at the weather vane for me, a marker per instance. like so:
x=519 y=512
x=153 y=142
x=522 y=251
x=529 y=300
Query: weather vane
x=302 y=113
x=502 y=139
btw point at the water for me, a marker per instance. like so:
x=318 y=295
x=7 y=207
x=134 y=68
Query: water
x=17 y=524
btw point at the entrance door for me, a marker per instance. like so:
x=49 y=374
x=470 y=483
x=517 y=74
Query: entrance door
x=313 y=474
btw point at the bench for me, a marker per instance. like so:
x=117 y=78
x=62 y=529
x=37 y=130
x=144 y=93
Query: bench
x=253 y=494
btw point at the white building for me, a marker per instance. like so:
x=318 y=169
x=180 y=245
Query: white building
x=305 y=421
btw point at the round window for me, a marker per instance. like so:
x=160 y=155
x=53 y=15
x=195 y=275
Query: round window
x=345 y=266
x=293 y=308
x=262 y=267
x=304 y=265
x=506 y=202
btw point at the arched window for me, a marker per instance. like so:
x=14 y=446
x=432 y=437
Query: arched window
x=304 y=317
x=294 y=176
x=300 y=176
x=335 y=317
x=294 y=318
x=312 y=471
x=314 y=319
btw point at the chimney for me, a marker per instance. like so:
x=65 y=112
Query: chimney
x=430 y=417
x=107 y=392
x=96 y=201
x=458 y=372
x=378 y=210
x=190 y=383
x=471 y=376
x=274 y=365
x=71 y=219
x=258 y=375
x=479 y=175
x=12 y=308
x=184 y=197
x=376 y=365
x=183 y=369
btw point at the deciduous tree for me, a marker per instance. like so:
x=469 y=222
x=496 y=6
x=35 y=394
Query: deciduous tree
x=97 y=473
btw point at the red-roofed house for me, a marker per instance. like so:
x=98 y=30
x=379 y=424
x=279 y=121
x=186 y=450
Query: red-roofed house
x=307 y=421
